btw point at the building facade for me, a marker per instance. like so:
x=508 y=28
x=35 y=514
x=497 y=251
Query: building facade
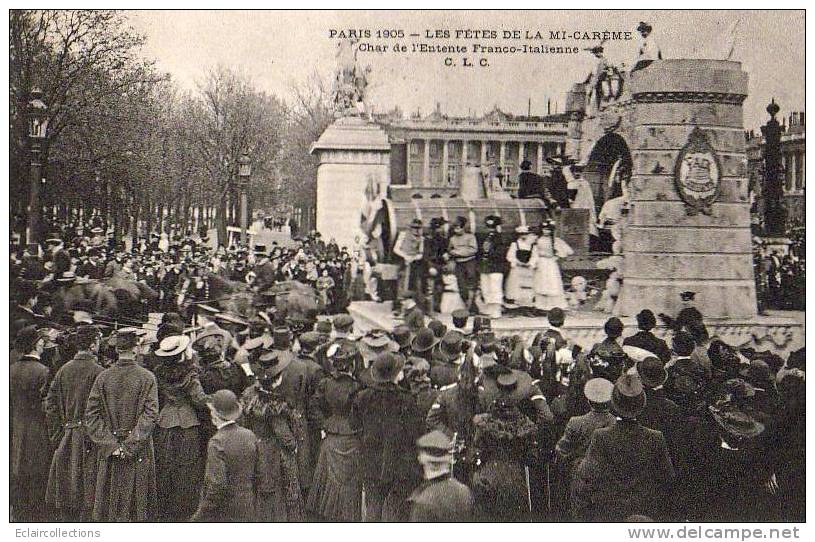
x=793 y=159
x=429 y=154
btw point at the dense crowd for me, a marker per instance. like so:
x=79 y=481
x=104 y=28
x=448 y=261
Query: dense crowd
x=206 y=414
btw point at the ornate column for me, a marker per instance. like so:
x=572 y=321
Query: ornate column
x=444 y=162
x=501 y=155
x=520 y=153
x=539 y=164
x=426 y=164
x=483 y=153
x=464 y=144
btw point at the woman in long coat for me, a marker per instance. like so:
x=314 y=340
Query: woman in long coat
x=336 y=490
x=549 y=292
x=281 y=430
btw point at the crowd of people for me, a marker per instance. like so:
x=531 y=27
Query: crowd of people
x=205 y=415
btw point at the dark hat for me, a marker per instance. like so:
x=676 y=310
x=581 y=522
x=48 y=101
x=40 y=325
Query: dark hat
x=260 y=249
x=646 y=320
x=652 y=372
x=613 y=327
x=507 y=381
x=735 y=421
x=424 y=340
x=386 y=366
x=526 y=165
x=437 y=222
x=26 y=338
x=450 y=346
x=683 y=343
x=125 y=339
x=438 y=328
x=598 y=390
x=596 y=49
x=460 y=317
x=225 y=404
x=738 y=389
x=628 y=396
x=323 y=327
x=556 y=316
x=644 y=26
x=492 y=221
x=310 y=340
x=435 y=443
x=687 y=296
x=415 y=320
x=343 y=323
x=757 y=371
x=281 y=338
x=416 y=223
x=274 y=362
x=401 y=334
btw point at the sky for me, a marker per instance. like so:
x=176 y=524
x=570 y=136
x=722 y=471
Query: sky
x=281 y=49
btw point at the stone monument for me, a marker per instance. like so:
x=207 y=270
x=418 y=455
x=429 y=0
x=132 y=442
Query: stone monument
x=354 y=154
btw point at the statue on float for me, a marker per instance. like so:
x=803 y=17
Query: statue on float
x=351 y=82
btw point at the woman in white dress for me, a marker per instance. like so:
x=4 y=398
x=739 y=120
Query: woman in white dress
x=549 y=292
x=584 y=199
x=450 y=297
x=523 y=260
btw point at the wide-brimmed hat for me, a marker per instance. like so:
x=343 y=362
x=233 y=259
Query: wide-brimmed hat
x=598 y=390
x=652 y=372
x=424 y=340
x=735 y=421
x=386 y=366
x=171 y=346
x=628 y=396
x=376 y=342
x=225 y=404
x=274 y=362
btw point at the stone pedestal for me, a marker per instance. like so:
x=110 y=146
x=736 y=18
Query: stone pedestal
x=668 y=247
x=353 y=153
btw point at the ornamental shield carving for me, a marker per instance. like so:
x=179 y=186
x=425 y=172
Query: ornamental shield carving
x=698 y=174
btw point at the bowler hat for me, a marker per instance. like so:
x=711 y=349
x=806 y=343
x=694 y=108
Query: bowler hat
x=225 y=404
x=460 y=317
x=628 y=396
x=281 y=338
x=343 y=323
x=424 y=340
x=652 y=372
x=646 y=320
x=598 y=390
x=683 y=343
x=438 y=328
x=273 y=362
x=450 y=346
x=386 y=366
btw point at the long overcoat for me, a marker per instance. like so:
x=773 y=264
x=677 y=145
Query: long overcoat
x=122 y=411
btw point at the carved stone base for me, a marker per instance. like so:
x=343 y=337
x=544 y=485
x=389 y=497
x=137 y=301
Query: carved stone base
x=780 y=334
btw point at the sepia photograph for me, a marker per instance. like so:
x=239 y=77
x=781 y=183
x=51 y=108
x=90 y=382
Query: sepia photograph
x=426 y=266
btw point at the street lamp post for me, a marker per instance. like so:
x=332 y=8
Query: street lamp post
x=244 y=172
x=37 y=113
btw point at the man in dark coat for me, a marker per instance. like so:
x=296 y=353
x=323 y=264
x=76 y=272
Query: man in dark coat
x=72 y=478
x=572 y=446
x=30 y=448
x=390 y=422
x=440 y=498
x=530 y=185
x=231 y=471
x=120 y=416
x=645 y=338
x=627 y=469
x=300 y=381
x=660 y=413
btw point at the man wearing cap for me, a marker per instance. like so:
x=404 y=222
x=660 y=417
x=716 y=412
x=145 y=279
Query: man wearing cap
x=440 y=498
x=72 y=478
x=231 y=472
x=120 y=417
x=390 y=422
x=660 y=412
x=492 y=265
x=409 y=246
x=463 y=248
x=30 y=449
x=645 y=338
x=572 y=446
x=627 y=469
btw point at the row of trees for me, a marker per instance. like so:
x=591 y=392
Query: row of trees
x=126 y=144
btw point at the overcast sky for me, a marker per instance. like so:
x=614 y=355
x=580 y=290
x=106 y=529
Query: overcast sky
x=278 y=49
